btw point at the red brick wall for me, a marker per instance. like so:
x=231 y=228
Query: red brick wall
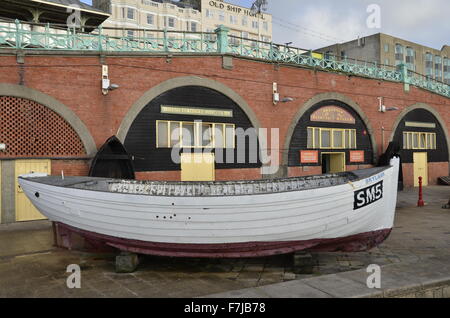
x=238 y=174
x=304 y=171
x=221 y=175
x=159 y=175
x=70 y=167
x=75 y=81
x=356 y=167
x=435 y=171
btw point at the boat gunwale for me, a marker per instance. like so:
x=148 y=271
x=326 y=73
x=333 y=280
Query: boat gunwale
x=217 y=183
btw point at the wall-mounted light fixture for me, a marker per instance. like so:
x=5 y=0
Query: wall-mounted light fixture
x=106 y=83
x=2 y=147
x=382 y=108
x=276 y=96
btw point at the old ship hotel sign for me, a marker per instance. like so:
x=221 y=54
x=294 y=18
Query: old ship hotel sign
x=222 y=6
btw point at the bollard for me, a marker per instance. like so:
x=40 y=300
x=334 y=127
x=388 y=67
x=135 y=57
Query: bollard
x=421 y=203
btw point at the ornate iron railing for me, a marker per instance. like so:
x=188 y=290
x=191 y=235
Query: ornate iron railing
x=43 y=37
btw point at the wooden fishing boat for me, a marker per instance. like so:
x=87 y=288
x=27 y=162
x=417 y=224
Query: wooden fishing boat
x=350 y=211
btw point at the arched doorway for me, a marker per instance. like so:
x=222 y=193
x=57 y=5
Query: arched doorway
x=36 y=139
x=205 y=124
x=329 y=137
x=424 y=145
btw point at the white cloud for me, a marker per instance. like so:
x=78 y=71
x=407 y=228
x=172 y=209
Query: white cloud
x=424 y=21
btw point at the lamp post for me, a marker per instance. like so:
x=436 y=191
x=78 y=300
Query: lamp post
x=257 y=7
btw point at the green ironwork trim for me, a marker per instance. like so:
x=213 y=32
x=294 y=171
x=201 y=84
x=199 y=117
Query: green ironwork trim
x=23 y=37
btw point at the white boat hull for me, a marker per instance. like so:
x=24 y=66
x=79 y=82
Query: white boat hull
x=227 y=226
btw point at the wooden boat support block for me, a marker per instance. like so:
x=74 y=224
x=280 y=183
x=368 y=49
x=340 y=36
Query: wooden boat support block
x=126 y=262
x=303 y=263
x=447 y=206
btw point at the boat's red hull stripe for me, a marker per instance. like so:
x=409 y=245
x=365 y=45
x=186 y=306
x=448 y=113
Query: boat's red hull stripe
x=355 y=243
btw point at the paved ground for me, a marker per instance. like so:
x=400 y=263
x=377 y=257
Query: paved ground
x=31 y=267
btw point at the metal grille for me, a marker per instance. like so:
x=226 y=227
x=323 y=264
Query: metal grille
x=30 y=129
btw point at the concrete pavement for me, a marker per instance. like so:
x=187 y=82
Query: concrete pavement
x=413 y=262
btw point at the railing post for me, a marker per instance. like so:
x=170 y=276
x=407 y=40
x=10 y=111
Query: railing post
x=271 y=51
x=222 y=39
x=70 y=39
x=47 y=36
x=18 y=35
x=166 y=45
x=405 y=76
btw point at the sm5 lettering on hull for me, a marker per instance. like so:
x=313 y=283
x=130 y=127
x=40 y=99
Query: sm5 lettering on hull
x=368 y=195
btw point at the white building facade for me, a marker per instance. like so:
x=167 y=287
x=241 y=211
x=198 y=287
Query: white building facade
x=185 y=16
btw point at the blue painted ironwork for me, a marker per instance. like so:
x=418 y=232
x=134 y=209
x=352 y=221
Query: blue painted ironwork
x=25 y=37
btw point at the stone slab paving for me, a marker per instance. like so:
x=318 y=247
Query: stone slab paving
x=430 y=279
x=31 y=267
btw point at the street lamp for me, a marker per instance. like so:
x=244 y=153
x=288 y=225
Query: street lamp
x=257 y=7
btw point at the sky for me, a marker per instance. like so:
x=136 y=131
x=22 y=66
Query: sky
x=319 y=23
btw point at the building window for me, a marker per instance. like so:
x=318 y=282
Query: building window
x=447 y=70
x=410 y=59
x=233 y=19
x=328 y=55
x=170 y=134
x=234 y=41
x=222 y=16
x=266 y=26
x=209 y=36
x=255 y=24
x=169 y=22
x=438 y=68
x=193 y=26
x=429 y=65
x=399 y=54
x=386 y=48
x=130 y=13
x=331 y=138
x=209 y=13
x=150 y=19
x=419 y=140
x=387 y=62
x=130 y=34
x=244 y=21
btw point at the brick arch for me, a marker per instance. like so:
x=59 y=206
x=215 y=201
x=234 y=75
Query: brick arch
x=31 y=130
x=173 y=83
x=34 y=103
x=428 y=108
x=314 y=101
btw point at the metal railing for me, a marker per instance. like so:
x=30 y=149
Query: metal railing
x=29 y=36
